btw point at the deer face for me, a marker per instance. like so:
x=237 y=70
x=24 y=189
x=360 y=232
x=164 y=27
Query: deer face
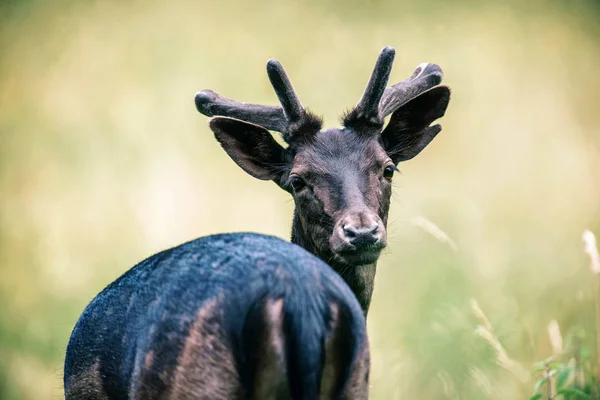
x=341 y=183
x=340 y=179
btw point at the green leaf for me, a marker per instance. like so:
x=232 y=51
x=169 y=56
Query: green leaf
x=539 y=366
x=557 y=365
x=549 y=359
x=538 y=385
x=563 y=377
x=574 y=392
x=536 y=396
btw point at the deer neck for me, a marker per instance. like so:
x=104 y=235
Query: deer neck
x=359 y=278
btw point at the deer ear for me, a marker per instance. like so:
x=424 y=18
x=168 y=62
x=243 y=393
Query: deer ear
x=251 y=147
x=408 y=131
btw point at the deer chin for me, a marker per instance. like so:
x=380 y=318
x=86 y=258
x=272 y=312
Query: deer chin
x=360 y=256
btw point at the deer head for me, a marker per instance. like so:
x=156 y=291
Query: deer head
x=340 y=179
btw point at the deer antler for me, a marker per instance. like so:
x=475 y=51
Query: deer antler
x=368 y=106
x=424 y=78
x=377 y=102
x=291 y=119
x=213 y=104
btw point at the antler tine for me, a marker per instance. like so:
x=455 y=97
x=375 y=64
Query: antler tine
x=292 y=107
x=291 y=119
x=213 y=104
x=425 y=77
x=368 y=105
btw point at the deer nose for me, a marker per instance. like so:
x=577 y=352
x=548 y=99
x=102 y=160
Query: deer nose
x=362 y=236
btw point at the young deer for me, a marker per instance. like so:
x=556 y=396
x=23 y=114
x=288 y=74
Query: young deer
x=224 y=317
x=340 y=179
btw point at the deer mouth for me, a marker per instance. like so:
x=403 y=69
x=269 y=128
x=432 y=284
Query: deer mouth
x=361 y=256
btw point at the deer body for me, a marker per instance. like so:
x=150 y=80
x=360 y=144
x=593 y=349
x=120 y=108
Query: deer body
x=232 y=316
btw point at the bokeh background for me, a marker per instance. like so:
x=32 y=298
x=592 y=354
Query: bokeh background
x=105 y=161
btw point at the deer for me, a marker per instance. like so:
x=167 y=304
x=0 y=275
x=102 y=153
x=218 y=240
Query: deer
x=251 y=316
x=340 y=178
x=231 y=316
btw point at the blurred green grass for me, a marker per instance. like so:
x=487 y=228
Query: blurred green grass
x=104 y=161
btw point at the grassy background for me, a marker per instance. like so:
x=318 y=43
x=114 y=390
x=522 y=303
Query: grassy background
x=104 y=161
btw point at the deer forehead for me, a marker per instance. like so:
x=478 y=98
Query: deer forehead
x=335 y=151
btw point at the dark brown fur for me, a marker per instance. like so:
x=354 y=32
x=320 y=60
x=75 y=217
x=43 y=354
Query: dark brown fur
x=88 y=385
x=205 y=368
x=270 y=375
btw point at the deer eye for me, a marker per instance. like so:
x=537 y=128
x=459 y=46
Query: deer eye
x=297 y=183
x=388 y=172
